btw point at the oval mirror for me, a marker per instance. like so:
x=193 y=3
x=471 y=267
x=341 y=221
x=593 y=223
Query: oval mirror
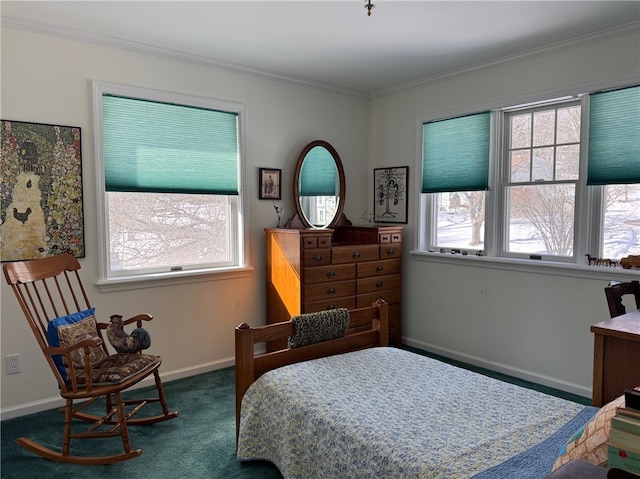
x=319 y=186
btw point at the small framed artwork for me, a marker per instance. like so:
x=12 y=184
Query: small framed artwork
x=269 y=183
x=41 y=210
x=390 y=194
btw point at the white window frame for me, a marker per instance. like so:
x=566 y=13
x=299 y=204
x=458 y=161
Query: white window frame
x=240 y=245
x=589 y=200
x=503 y=181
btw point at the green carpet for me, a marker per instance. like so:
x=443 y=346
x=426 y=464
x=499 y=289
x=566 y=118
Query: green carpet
x=200 y=443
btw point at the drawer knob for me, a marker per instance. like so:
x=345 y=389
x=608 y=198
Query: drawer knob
x=356 y=254
x=378 y=284
x=331 y=290
x=331 y=306
x=379 y=268
x=331 y=274
x=317 y=258
x=391 y=251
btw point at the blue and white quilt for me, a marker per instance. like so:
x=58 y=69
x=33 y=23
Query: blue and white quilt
x=389 y=413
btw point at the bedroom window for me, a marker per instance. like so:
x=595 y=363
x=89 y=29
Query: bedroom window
x=455 y=165
x=540 y=180
x=169 y=183
x=553 y=180
x=614 y=163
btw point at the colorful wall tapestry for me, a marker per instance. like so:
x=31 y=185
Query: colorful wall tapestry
x=41 y=210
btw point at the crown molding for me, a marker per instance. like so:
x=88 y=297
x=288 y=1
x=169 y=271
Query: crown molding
x=168 y=54
x=603 y=34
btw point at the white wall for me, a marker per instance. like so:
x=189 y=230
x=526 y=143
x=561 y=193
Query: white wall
x=48 y=80
x=532 y=325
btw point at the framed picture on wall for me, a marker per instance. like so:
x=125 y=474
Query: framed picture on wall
x=269 y=183
x=41 y=210
x=390 y=194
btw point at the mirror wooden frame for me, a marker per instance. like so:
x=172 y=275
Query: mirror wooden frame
x=299 y=220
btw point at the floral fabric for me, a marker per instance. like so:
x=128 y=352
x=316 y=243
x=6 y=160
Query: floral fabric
x=386 y=412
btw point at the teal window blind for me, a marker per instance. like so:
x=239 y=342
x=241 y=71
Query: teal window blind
x=614 y=137
x=455 y=154
x=166 y=148
x=319 y=173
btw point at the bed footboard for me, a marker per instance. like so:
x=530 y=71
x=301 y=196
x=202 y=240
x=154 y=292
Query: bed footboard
x=368 y=327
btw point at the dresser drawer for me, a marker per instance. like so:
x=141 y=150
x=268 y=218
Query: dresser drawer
x=379 y=283
x=388 y=237
x=316 y=241
x=391 y=250
x=378 y=268
x=326 y=291
x=311 y=307
x=316 y=257
x=309 y=242
x=389 y=295
x=322 y=274
x=354 y=253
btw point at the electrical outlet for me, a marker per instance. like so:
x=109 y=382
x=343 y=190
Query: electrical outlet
x=12 y=363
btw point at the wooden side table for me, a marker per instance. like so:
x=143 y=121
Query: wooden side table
x=616 y=357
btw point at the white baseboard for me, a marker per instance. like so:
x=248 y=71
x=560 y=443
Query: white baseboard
x=501 y=368
x=57 y=402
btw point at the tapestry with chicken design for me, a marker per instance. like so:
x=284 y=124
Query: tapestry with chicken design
x=41 y=207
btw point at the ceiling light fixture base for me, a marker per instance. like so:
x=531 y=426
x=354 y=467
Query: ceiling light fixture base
x=369 y=6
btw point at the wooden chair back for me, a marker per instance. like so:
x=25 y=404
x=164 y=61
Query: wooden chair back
x=615 y=292
x=47 y=289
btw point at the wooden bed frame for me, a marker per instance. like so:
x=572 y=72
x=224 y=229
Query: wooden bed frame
x=368 y=327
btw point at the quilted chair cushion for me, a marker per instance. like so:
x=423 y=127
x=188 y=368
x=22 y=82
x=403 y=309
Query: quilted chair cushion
x=312 y=328
x=117 y=368
x=68 y=330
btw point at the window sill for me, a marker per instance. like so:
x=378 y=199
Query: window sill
x=529 y=266
x=124 y=283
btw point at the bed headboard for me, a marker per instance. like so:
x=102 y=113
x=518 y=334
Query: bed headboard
x=368 y=327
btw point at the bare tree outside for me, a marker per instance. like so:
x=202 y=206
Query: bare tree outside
x=621 y=221
x=461 y=218
x=545 y=156
x=542 y=219
x=152 y=230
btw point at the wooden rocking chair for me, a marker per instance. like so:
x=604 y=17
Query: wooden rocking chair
x=57 y=308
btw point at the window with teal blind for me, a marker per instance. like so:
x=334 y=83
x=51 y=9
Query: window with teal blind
x=455 y=154
x=614 y=137
x=541 y=157
x=160 y=147
x=169 y=169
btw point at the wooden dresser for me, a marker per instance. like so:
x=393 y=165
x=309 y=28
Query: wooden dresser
x=348 y=267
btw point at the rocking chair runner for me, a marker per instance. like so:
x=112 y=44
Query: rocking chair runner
x=60 y=315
